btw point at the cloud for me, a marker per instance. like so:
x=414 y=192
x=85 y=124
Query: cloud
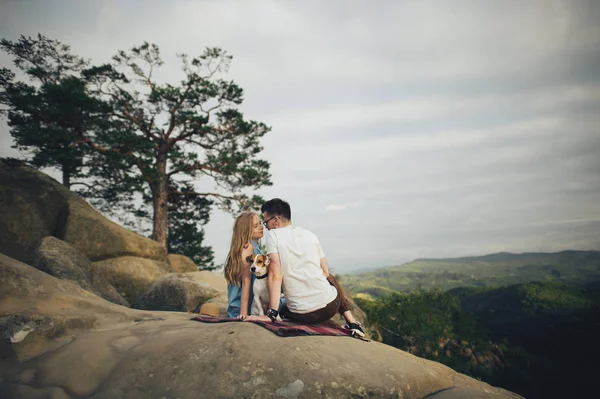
x=400 y=129
x=341 y=207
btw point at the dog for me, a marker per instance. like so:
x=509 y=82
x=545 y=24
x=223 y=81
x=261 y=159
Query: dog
x=260 y=268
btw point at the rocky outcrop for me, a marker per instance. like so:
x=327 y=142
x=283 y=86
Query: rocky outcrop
x=181 y=263
x=132 y=276
x=33 y=206
x=99 y=238
x=116 y=352
x=183 y=292
x=39 y=312
x=61 y=260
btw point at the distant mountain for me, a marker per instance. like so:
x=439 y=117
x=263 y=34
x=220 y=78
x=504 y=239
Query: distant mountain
x=500 y=269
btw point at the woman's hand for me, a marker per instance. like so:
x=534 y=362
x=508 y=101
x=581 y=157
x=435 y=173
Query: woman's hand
x=242 y=316
x=258 y=318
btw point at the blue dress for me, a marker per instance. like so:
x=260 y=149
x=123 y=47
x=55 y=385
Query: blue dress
x=234 y=292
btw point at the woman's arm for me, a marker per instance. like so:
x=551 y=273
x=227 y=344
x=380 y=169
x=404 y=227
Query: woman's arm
x=246 y=279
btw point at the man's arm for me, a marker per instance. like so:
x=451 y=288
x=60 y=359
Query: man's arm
x=325 y=267
x=274 y=280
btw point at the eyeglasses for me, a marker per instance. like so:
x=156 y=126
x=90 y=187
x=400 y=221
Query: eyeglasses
x=268 y=220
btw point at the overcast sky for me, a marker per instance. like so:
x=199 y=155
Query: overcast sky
x=400 y=129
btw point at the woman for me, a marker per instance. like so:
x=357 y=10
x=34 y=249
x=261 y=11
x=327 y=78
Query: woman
x=247 y=230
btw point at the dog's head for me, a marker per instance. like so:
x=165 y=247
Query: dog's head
x=259 y=264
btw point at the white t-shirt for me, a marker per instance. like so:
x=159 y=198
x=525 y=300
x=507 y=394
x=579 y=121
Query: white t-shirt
x=305 y=287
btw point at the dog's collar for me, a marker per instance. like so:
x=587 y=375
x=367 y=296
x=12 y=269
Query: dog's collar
x=261 y=277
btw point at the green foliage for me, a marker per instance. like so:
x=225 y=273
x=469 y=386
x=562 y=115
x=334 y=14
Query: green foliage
x=187 y=215
x=517 y=337
x=49 y=117
x=161 y=136
x=419 y=321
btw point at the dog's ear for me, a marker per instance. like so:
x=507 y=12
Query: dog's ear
x=267 y=260
x=250 y=259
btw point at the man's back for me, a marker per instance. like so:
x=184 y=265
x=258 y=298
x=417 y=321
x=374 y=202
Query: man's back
x=305 y=287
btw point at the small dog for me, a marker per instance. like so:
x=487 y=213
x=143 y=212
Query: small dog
x=260 y=269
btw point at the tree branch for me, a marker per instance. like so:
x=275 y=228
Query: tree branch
x=194 y=193
x=193 y=167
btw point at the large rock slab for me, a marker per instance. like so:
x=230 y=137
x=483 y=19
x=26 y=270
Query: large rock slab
x=33 y=205
x=127 y=353
x=181 y=263
x=99 y=238
x=61 y=260
x=39 y=312
x=182 y=292
x=132 y=276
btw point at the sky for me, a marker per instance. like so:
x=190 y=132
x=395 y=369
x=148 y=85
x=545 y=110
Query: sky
x=400 y=129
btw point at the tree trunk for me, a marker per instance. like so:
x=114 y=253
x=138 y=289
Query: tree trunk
x=66 y=176
x=159 y=196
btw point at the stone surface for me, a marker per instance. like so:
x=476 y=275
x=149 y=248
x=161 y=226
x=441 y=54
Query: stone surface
x=99 y=238
x=33 y=206
x=181 y=263
x=127 y=353
x=132 y=276
x=183 y=292
x=61 y=260
x=215 y=279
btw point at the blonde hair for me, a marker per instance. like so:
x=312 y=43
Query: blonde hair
x=242 y=234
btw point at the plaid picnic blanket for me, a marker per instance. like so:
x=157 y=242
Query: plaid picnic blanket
x=288 y=328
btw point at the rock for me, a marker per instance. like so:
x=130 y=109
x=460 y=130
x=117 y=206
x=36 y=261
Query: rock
x=99 y=238
x=215 y=279
x=15 y=328
x=33 y=206
x=184 y=292
x=181 y=263
x=131 y=276
x=61 y=260
x=47 y=309
x=128 y=353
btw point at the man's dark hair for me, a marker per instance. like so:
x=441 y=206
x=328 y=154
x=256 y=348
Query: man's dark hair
x=277 y=207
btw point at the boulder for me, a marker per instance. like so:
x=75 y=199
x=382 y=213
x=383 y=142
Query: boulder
x=184 y=292
x=33 y=205
x=215 y=279
x=61 y=260
x=99 y=238
x=131 y=276
x=126 y=353
x=181 y=263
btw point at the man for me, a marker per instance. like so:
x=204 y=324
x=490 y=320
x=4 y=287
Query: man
x=298 y=265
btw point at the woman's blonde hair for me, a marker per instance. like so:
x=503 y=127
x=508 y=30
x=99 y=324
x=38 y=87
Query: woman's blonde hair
x=242 y=234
